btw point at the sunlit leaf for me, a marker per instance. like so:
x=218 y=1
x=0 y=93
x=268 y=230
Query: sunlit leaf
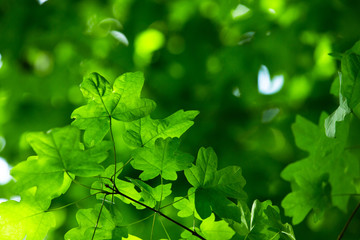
x=124 y=187
x=27 y=218
x=216 y=230
x=121 y=102
x=88 y=220
x=60 y=154
x=163 y=159
x=339 y=115
x=145 y=131
x=152 y=195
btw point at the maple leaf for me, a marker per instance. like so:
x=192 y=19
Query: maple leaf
x=125 y=187
x=163 y=159
x=214 y=187
x=60 y=155
x=152 y=195
x=145 y=131
x=88 y=219
x=25 y=219
x=121 y=102
x=328 y=171
x=350 y=68
x=262 y=222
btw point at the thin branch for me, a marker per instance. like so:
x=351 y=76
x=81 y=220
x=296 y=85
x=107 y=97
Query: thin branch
x=162 y=189
x=182 y=198
x=348 y=222
x=69 y=204
x=80 y=184
x=194 y=233
x=127 y=162
x=98 y=219
x=114 y=149
x=139 y=221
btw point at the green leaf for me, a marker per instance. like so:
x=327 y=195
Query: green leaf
x=285 y=231
x=214 y=187
x=329 y=170
x=163 y=159
x=87 y=220
x=125 y=187
x=186 y=206
x=216 y=230
x=262 y=222
x=350 y=68
x=152 y=195
x=25 y=218
x=339 y=115
x=59 y=152
x=145 y=131
x=121 y=102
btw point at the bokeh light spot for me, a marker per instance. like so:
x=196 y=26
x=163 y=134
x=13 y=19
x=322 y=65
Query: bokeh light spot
x=266 y=85
x=146 y=43
x=5 y=176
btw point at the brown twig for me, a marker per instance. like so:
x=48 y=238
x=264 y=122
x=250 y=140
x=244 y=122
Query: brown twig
x=348 y=222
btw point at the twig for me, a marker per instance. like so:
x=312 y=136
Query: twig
x=194 y=233
x=114 y=149
x=348 y=222
x=98 y=219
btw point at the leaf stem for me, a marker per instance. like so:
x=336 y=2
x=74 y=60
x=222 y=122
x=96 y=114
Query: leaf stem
x=348 y=222
x=114 y=149
x=69 y=204
x=182 y=198
x=98 y=219
x=194 y=233
x=80 y=184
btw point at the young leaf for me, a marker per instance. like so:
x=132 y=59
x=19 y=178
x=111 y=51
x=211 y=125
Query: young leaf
x=339 y=115
x=163 y=159
x=186 y=206
x=145 y=131
x=152 y=195
x=125 y=187
x=216 y=230
x=285 y=231
x=25 y=219
x=87 y=220
x=262 y=222
x=121 y=102
x=328 y=170
x=215 y=186
x=59 y=153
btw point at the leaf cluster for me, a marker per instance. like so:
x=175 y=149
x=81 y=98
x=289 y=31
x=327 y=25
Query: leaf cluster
x=216 y=199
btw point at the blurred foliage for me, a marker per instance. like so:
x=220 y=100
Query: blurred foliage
x=196 y=55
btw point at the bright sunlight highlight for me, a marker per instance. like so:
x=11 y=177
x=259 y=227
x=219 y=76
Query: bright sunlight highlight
x=4 y=172
x=1 y=63
x=42 y=1
x=266 y=85
x=239 y=11
x=120 y=37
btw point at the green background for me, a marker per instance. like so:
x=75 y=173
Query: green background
x=195 y=56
